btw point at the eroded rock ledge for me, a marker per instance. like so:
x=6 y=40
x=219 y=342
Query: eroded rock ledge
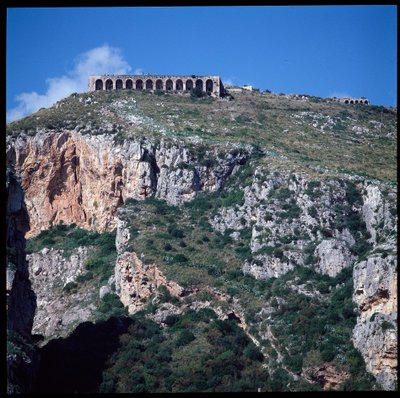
x=83 y=179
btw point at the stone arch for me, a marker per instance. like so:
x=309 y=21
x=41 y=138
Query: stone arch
x=356 y=101
x=149 y=84
x=179 y=85
x=366 y=102
x=99 y=84
x=189 y=85
x=199 y=84
x=139 y=84
x=109 y=84
x=159 y=84
x=209 y=86
x=351 y=102
x=129 y=84
x=346 y=101
x=118 y=84
x=169 y=85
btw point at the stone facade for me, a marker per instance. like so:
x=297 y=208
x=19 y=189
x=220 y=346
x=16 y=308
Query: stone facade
x=210 y=84
x=349 y=100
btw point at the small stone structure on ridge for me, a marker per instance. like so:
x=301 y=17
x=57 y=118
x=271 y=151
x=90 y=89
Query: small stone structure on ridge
x=211 y=85
x=349 y=100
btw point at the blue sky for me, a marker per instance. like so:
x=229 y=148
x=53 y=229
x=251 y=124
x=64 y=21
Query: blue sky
x=317 y=50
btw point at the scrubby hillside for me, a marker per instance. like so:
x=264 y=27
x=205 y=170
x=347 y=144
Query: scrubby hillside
x=255 y=240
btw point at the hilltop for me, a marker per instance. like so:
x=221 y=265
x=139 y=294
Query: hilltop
x=188 y=243
x=304 y=130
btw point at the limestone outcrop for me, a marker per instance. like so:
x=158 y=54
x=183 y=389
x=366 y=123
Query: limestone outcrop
x=375 y=335
x=83 y=179
x=266 y=267
x=327 y=225
x=58 y=310
x=332 y=256
x=134 y=280
x=288 y=218
x=294 y=221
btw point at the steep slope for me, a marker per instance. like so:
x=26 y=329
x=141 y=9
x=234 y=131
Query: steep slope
x=258 y=208
x=71 y=178
x=21 y=300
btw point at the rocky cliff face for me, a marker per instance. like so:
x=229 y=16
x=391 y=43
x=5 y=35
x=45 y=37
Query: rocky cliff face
x=83 y=179
x=21 y=300
x=328 y=225
x=134 y=280
x=294 y=221
x=375 y=289
x=58 y=310
x=375 y=335
x=81 y=160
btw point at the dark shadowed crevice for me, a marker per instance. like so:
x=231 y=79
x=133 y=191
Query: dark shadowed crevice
x=75 y=364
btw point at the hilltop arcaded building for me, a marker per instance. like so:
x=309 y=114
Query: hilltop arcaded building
x=349 y=100
x=209 y=84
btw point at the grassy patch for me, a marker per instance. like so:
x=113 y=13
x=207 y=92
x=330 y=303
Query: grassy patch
x=310 y=133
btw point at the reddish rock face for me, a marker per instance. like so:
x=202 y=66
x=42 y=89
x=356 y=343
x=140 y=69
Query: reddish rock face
x=326 y=375
x=69 y=179
x=73 y=178
x=375 y=335
x=136 y=281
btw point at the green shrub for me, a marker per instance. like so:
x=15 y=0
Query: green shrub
x=244 y=252
x=171 y=320
x=327 y=354
x=294 y=362
x=385 y=325
x=94 y=262
x=242 y=119
x=131 y=202
x=70 y=287
x=167 y=247
x=373 y=316
x=292 y=212
x=278 y=380
x=205 y=238
x=84 y=277
x=180 y=258
x=184 y=338
x=310 y=191
x=232 y=291
x=111 y=304
x=175 y=232
x=353 y=196
x=232 y=198
x=253 y=353
x=197 y=93
x=281 y=194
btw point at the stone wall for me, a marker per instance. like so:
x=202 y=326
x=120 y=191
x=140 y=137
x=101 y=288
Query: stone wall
x=210 y=84
x=349 y=100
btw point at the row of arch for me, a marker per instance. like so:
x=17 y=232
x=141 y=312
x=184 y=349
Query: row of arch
x=356 y=101
x=149 y=84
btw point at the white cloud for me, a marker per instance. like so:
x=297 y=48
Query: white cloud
x=138 y=71
x=230 y=81
x=234 y=81
x=98 y=61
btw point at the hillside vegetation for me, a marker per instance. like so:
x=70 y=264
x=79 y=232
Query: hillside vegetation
x=311 y=132
x=249 y=243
